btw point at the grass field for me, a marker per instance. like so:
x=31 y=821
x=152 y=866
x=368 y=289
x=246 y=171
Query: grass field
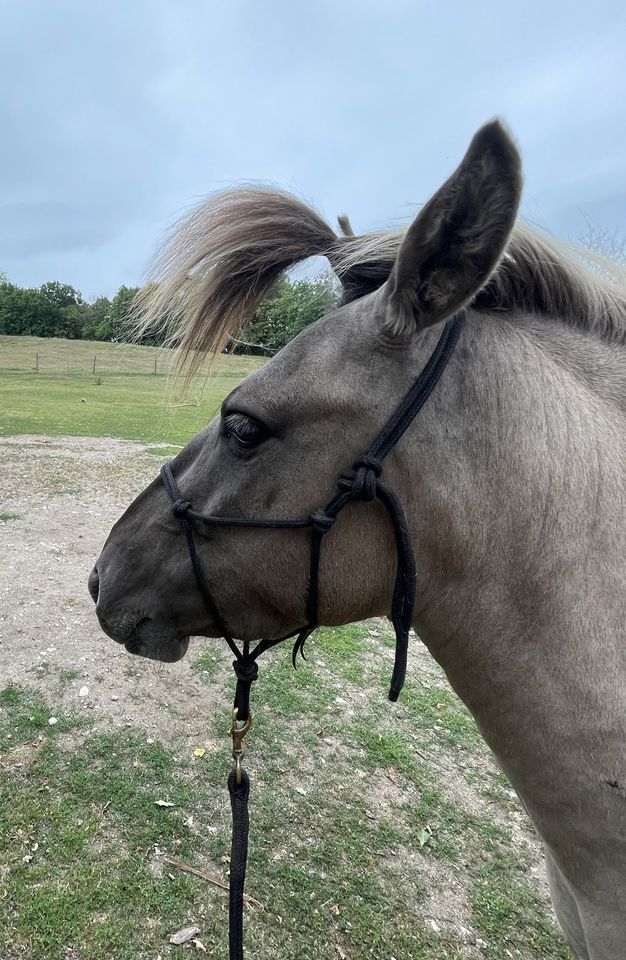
x=379 y=831
x=123 y=399
x=357 y=845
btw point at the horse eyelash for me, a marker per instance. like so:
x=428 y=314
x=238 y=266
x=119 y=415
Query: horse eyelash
x=240 y=424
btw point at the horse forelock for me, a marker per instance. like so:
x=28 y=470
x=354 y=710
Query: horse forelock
x=210 y=277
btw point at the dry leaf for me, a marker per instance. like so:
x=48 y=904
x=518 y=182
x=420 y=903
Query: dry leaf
x=163 y=803
x=198 y=944
x=184 y=935
x=335 y=909
x=199 y=752
x=424 y=835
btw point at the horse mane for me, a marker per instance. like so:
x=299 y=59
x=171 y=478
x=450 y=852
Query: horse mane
x=219 y=263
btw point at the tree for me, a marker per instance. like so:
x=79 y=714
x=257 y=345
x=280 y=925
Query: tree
x=119 y=313
x=96 y=319
x=58 y=310
x=26 y=312
x=60 y=294
x=288 y=309
x=70 y=321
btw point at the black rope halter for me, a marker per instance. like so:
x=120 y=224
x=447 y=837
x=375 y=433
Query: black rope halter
x=361 y=483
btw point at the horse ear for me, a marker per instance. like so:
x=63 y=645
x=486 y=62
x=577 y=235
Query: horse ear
x=452 y=247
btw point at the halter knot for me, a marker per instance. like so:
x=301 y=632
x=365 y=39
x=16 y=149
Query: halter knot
x=361 y=481
x=369 y=463
x=180 y=507
x=321 y=522
x=246 y=670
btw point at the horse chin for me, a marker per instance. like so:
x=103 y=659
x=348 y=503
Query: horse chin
x=164 y=651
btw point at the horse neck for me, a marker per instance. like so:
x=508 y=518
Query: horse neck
x=519 y=523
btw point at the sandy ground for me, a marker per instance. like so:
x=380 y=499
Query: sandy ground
x=68 y=491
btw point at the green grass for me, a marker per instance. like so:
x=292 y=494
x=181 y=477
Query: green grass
x=79 y=823
x=340 y=873
x=164 y=452
x=67 y=676
x=5 y=517
x=65 y=398
x=503 y=900
x=207 y=664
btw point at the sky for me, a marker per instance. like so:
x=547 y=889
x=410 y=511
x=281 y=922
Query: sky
x=117 y=117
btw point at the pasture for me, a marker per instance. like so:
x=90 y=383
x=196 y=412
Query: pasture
x=123 y=398
x=378 y=830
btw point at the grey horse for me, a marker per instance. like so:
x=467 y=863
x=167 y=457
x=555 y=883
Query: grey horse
x=512 y=479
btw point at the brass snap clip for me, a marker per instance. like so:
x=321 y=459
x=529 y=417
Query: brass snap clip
x=238 y=731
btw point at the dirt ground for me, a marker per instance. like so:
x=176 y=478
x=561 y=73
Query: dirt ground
x=67 y=493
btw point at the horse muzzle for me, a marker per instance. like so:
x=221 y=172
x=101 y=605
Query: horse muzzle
x=139 y=634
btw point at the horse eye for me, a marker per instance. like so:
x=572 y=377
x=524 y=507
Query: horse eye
x=245 y=431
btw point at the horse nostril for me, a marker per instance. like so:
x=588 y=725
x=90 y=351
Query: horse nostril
x=94 y=585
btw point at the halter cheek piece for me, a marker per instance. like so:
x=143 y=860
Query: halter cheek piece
x=361 y=482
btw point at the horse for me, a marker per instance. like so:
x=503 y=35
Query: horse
x=512 y=479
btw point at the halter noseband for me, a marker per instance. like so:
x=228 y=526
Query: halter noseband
x=361 y=482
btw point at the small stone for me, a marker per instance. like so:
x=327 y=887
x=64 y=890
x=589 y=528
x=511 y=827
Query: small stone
x=341 y=701
x=114 y=697
x=83 y=692
x=52 y=721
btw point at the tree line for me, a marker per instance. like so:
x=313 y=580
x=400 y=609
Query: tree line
x=58 y=310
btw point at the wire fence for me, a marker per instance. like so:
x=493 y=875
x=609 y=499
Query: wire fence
x=40 y=355
x=44 y=356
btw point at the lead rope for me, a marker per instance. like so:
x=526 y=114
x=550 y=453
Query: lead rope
x=361 y=483
x=246 y=671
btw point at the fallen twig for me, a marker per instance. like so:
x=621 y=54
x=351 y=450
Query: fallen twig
x=173 y=862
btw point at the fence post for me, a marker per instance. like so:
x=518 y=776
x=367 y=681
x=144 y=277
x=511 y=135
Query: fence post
x=155 y=362
x=94 y=365
x=37 y=362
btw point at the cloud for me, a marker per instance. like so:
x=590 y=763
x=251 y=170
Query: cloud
x=116 y=117
x=31 y=228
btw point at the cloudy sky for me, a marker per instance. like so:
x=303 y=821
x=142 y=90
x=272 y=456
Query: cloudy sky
x=115 y=117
